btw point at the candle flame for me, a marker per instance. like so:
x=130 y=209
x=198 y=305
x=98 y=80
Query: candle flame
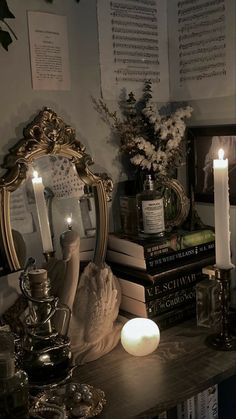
x=35 y=174
x=69 y=220
x=221 y=153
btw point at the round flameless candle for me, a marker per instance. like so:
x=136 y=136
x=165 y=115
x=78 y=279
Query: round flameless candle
x=42 y=213
x=221 y=208
x=140 y=336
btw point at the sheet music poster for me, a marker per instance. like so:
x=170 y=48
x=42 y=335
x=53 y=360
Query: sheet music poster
x=133 y=47
x=202 y=48
x=194 y=58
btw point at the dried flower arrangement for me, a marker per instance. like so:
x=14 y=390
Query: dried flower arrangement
x=153 y=142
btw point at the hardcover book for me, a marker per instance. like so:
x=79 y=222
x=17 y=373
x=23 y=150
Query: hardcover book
x=201 y=404
x=212 y=402
x=168 y=319
x=158 y=305
x=145 y=278
x=186 y=409
x=207 y=403
x=149 y=248
x=145 y=292
x=165 y=261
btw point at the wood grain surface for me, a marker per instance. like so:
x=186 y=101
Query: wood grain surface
x=141 y=387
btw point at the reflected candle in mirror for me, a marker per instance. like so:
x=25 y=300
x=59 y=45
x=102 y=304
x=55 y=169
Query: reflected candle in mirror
x=69 y=223
x=42 y=213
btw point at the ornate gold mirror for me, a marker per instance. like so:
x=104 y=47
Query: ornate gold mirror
x=48 y=171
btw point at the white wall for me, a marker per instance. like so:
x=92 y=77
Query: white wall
x=19 y=103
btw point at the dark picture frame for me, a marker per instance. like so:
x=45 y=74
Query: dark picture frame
x=203 y=143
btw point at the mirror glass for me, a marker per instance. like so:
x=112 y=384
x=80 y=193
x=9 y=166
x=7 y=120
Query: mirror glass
x=69 y=202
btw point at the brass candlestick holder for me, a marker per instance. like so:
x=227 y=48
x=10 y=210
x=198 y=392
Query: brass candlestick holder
x=223 y=340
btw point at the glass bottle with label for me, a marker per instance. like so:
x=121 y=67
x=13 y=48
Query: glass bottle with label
x=208 y=302
x=150 y=210
x=13 y=382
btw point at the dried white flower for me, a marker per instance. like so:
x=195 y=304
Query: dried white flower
x=153 y=142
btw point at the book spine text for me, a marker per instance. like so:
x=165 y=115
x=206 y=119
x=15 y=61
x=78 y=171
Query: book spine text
x=169 y=301
x=174 y=258
x=171 y=284
x=179 y=241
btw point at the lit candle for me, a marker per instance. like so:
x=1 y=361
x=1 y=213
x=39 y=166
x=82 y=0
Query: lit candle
x=140 y=336
x=42 y=213
x=221 y=206
x=69 y=223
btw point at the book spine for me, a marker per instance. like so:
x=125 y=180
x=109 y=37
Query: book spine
x=169 y=301
x=201 y=404
x=138 y=290
x=172 y=259
x=175 y=317
x=186 y=409
x=179 y=241
x=171 y=284
x=212 y=402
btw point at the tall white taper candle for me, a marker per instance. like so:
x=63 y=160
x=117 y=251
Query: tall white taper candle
x=221 y=207
x=42 y=213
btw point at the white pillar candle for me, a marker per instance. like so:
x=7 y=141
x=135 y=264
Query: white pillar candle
x=221 y=207
x=140 y=336
x=42 y=213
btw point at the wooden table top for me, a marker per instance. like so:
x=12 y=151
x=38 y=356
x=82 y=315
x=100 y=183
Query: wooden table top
x=140 y=387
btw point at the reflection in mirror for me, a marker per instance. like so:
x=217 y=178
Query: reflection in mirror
x=69 y=204
x=47 y=173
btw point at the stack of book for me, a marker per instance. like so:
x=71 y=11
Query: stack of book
x=158 y=278
x=203 y=405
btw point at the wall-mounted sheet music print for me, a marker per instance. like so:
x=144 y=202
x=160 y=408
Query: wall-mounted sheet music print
x=133 y=47
x=202 y=48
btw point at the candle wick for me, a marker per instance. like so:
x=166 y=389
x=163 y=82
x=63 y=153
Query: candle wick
x=221 y=154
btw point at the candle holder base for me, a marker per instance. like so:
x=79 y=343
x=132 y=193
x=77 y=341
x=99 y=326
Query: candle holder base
x=223 y=340
x=221 y=343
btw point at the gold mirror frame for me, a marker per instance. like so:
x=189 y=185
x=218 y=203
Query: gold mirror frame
x=47 y=134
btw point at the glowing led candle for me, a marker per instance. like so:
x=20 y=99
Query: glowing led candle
x=221 y=207
x=140 y=336
x=42 y=213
